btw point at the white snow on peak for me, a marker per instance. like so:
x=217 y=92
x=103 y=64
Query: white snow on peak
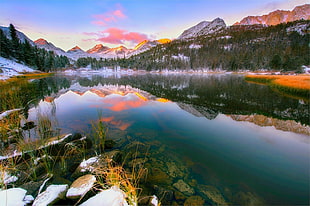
x=42 y=43
x=203 y=28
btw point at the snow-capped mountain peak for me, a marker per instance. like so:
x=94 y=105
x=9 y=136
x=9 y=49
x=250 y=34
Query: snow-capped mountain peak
x=203 y=28
x=98 y=49
x=75 y=49
x=40 y=42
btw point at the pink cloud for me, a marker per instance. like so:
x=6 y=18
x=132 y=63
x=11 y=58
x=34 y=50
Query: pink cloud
x=118 y=36
x=119 y=14
x=111 y=16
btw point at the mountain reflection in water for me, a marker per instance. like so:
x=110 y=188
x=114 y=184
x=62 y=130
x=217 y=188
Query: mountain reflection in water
x=191 y=131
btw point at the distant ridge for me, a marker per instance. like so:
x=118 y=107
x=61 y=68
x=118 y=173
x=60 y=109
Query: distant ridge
x=278 y=16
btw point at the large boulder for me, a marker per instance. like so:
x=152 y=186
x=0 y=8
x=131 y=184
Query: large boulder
x=51 y=195
x=81 y=186
x=12 y=197
x=110 y=197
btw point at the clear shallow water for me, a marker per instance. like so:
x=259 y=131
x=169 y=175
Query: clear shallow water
x=194 y=132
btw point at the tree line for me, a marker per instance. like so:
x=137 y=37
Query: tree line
x=30 y=55
x=250 y=47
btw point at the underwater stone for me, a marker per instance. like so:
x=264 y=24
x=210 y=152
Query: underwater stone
x=184 y=187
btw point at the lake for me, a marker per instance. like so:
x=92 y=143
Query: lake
x=210 y=135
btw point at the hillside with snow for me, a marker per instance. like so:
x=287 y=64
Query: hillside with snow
x=9 y=68
x=204 y=28
x=42 y=43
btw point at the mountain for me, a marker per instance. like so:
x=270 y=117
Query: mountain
x=204 y=28
x=146 y=45
x=76 y=52
x=99 y=48
x=120 y=51
x=42 y=43
x=22 y=37
x=278 y=16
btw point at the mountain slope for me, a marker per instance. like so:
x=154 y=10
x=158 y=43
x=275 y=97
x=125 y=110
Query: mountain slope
x=42 y=43
x=22 y=37
x=278 y=16
x=203 y=28
x=146 y=45
x=98 y=49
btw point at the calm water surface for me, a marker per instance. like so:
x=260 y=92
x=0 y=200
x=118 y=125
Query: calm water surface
x=188 y=125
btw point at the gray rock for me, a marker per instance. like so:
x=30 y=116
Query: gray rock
x=184 y=187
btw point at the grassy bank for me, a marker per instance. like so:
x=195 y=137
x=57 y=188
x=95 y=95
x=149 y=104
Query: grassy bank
x=298 y=85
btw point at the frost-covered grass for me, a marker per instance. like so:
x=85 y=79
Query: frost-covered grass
x=292 y=84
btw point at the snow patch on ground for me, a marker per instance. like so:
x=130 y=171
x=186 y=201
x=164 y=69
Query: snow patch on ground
x=9 y=68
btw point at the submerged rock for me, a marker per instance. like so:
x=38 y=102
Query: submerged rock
x=111 y=197
x=109 y=144
x=81 y=186
x=166 y=195
x=184 y=187
x=174 y=170
x=194 y=200
x=12 y=197
x=248 y=199
x=213 y=194
x=51 y=195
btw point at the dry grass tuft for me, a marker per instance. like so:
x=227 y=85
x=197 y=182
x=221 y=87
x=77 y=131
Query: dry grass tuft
x=298 y=85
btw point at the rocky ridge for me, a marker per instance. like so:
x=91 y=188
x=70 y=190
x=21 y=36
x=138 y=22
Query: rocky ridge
x=278 y=16
x=204 y=28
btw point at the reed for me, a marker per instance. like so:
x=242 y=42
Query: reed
x=297 y=85
x=99 y=131
x=33 y=75
x=117 y=176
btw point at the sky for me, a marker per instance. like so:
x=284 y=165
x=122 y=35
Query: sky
x=85 y=23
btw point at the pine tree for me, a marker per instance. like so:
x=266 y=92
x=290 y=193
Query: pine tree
x=15 y=43
x=4 y=45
